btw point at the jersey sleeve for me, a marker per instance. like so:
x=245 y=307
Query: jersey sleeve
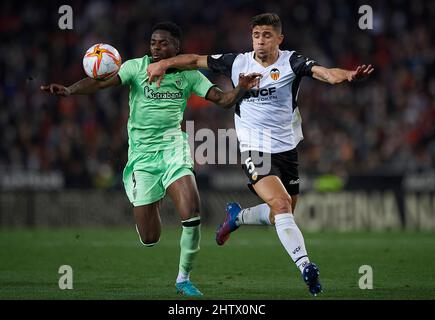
x=301 y=65
x=128 y=71
x=221 y=63
x=199 y=84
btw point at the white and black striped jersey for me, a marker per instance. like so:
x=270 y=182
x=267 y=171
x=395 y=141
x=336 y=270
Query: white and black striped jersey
x=267 y=118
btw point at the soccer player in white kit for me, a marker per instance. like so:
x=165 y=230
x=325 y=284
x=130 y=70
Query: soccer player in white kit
x=268 y=125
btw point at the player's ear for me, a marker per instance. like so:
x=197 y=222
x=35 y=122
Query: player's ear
x=177 y=46
x=280 y=39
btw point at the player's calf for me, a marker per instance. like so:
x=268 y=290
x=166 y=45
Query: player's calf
x=149 y=244
x=189 y=245
x=149 y=240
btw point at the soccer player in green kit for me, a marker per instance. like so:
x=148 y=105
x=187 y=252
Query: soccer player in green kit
x=159 y=159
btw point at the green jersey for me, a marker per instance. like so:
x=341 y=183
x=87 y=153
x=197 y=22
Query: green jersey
x=156 y=113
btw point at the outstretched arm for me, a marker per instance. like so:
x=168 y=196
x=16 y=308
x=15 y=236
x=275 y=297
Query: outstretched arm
x=84 y=86
x=156 y=71
x=336 y=75
x=228 y=99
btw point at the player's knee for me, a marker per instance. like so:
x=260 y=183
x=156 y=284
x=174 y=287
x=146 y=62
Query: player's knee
x=190 y=212
x=281 y=204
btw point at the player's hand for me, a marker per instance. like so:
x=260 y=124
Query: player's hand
x=56 y=89
x=360 y=73
x=156 y=72
x=250 y=81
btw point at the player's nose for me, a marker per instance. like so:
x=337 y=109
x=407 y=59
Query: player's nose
x=261 y=40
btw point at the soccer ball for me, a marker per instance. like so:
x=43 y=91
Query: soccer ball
x=101 y=61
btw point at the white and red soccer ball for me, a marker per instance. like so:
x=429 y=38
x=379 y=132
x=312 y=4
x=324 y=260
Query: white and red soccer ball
x=101 y=61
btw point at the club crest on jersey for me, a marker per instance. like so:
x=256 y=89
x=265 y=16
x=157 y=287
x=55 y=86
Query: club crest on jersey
x=274 y=74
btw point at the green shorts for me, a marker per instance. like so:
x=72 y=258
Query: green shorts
x=147 y=175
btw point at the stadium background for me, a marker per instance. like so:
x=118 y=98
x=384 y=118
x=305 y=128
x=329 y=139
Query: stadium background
x=376 y=136
x=367 y=161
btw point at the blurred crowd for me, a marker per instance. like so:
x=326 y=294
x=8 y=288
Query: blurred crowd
x=384 y=125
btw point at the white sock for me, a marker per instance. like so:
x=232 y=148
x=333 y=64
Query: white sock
x=292 y=239
x=258 y=215
x=182 y=277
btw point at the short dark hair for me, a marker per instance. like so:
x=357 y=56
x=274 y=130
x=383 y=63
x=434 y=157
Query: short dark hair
x=267 y=19
x=169 y=26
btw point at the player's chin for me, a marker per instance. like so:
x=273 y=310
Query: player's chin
x=157 y=58
x=262 y=55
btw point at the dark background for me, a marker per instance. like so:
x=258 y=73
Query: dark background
x=383 y=125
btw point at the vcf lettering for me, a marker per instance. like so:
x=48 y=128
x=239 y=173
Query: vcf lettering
x=261 y=92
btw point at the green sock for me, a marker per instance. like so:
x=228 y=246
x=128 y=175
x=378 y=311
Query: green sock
x=189 y=244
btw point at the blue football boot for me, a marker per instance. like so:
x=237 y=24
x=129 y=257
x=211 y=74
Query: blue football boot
x=311 y=277
x=229 y=225
x=186 y=288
